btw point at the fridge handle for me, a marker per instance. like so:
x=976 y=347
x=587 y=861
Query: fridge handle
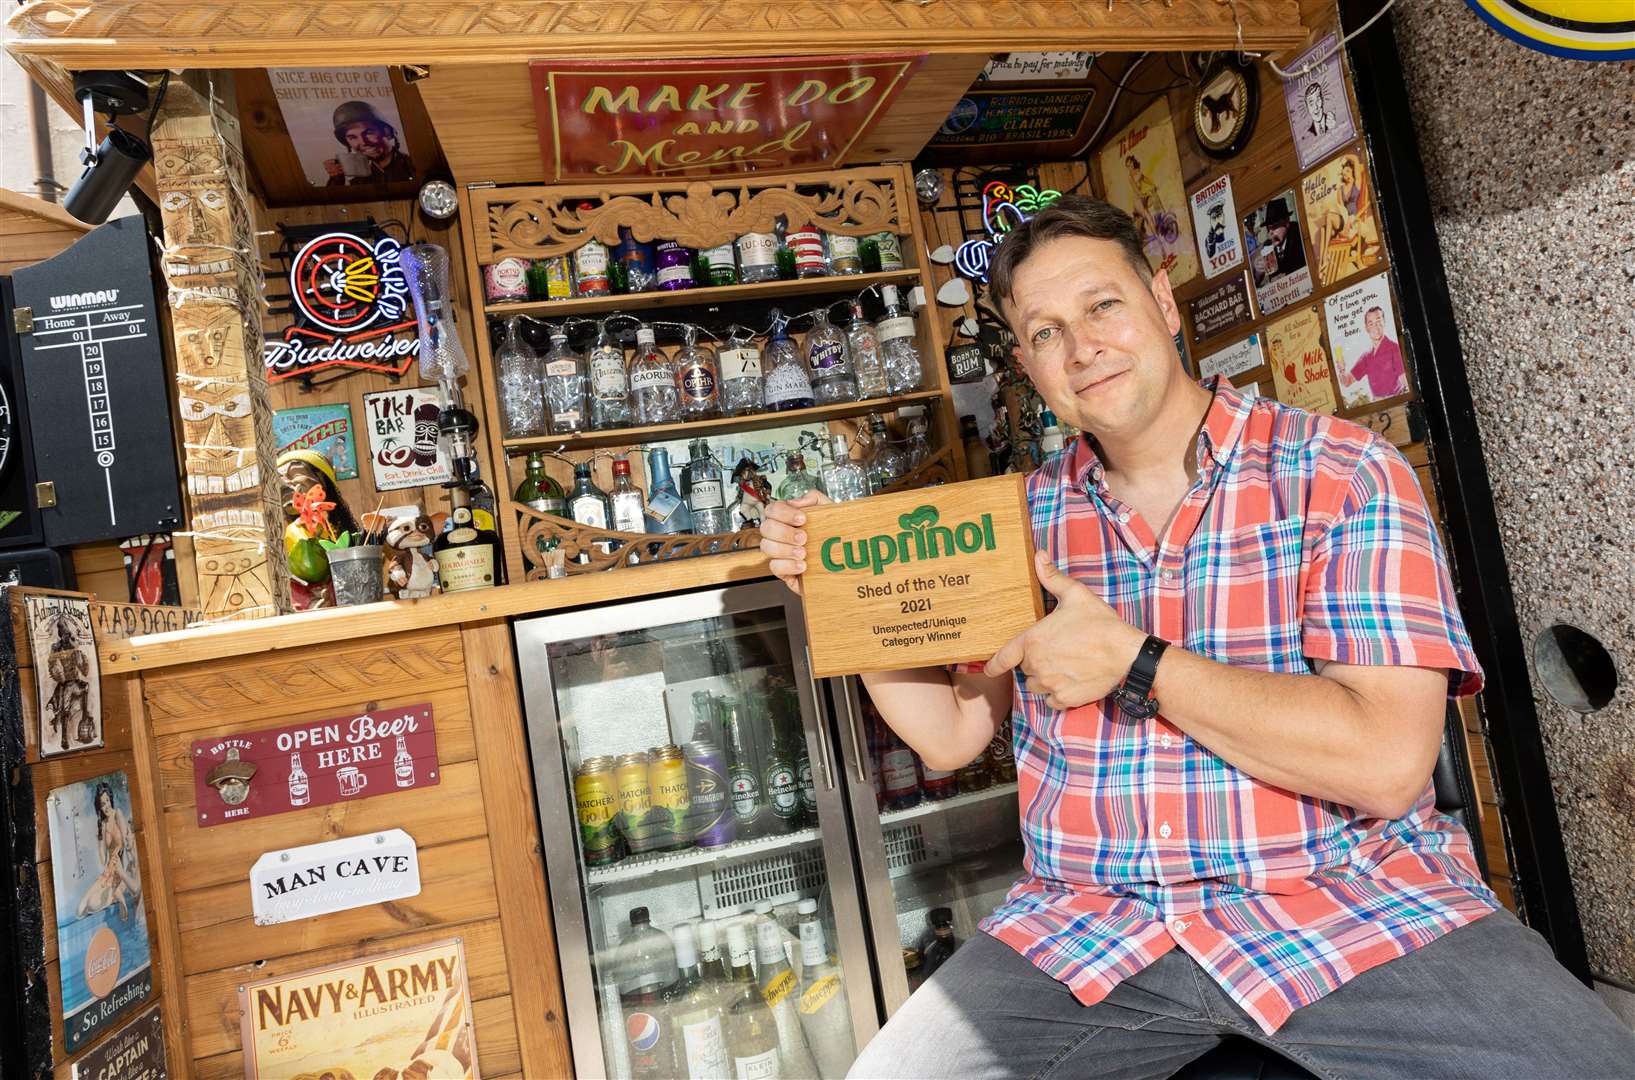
x=854 y=730
x=825 y=755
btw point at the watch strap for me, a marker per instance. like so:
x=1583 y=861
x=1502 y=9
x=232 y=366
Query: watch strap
x=1135 y=695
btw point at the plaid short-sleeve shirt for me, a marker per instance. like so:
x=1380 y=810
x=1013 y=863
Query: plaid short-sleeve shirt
x=1304 y=538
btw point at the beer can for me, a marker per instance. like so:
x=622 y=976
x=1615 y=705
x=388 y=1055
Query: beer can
x=596 y=797
x=712 y=821
x=668 y=772
x=635 y=802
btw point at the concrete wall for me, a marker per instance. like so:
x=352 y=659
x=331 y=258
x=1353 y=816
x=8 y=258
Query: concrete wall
x=1531 y=166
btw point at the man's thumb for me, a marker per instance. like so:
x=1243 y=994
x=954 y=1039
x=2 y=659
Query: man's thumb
x=1051 y=577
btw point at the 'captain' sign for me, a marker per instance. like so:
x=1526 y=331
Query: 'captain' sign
x=627 y=119
x=319 y=879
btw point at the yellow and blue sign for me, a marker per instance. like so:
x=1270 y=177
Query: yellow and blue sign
x=1577 y=29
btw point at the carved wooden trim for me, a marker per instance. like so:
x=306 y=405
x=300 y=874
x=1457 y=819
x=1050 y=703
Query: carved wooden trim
x=576 y=540
x=262 y=33
x=702 y=216
x=937 y=469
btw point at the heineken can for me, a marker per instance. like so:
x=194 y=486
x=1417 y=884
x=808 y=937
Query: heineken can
x=671 y=794
x=711 y=819
x=596 y=797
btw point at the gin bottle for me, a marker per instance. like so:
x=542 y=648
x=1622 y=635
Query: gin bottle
x=653 y=388
x=919 y=446
x=864 y=346
x=667 y=512
x=897 y=347
x=629 y=508
x=741 y=389
x=565 y=386
x=797 y=481
x=758 y=257
x=787 y=386
x=844 y=256
x=806 y=243
x=700 y=377
x=720 y=265
x=843 y=478
x=609 y=383
x=888 y=461
x=829 y=362
x=706 y=493
x=522 y=405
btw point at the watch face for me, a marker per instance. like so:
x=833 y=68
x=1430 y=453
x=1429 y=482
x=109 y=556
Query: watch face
x=438 y=199
x=1136 y=708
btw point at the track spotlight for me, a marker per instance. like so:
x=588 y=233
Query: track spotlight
x=112 y=164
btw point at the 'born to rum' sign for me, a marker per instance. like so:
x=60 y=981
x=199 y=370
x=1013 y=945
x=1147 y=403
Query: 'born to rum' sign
x=931 y=576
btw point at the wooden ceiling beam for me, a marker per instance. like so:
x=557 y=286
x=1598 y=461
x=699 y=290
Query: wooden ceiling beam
x=77 y=34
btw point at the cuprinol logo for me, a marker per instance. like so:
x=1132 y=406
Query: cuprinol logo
x=921 y=538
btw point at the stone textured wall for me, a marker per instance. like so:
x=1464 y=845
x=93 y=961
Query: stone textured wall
x=1531 y=165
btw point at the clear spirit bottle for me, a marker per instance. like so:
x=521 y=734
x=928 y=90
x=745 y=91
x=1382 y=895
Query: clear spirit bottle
x=699 y=375
x=653 y=388
x=888 y=461
x=797 y=480
x=706 y=493
x=720 y=265
x=758 y=257
x=787 y=386
x=864 y=346
x=843 y=478
x=609 y=383
x=904 y=371
x=565 y=386
x=522 y=404
x=625 y=500
x=742 y=392
x=829 y=362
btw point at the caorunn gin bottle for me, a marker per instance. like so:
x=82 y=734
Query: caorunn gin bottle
x=609 y=383
x=653 y=389
x=829 y=362
x=565 y=386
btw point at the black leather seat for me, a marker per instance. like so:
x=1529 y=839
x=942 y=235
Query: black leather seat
x=1244 y=1059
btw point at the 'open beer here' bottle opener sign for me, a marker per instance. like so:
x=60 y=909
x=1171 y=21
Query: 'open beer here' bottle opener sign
x=916 y=578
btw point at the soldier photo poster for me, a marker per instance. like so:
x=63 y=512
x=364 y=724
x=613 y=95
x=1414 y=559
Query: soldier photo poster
x=102 y=921
x=1277 y=256
x=1141 y=171
x=401 y=1015
x=1300 y=370
x=66 y=675
x=344 y=124
x=1362 y=333
x=1339 y=214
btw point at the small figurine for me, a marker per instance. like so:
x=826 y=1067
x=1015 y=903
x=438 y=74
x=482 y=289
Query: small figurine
x=754 y=492
x=410 y=568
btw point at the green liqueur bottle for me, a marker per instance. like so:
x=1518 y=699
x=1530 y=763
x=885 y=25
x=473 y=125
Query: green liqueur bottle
x=538 y=491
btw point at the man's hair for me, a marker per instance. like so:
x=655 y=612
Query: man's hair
x=1071 y=215
x=1373 y=309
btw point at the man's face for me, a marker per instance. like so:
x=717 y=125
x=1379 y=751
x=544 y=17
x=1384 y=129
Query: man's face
x=368 y=139
x=1314 y=101
x=1374 y=323
x=1276 y=233
x=1094 y=335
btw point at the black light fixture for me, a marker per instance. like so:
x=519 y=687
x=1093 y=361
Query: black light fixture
x=111 y=165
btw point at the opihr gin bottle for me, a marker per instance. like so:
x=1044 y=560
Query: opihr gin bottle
x=699 y=376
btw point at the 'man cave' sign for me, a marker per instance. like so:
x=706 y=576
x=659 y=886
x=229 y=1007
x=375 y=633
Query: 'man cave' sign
x=673 y=117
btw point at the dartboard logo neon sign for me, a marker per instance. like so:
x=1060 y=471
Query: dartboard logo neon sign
x=342 y=282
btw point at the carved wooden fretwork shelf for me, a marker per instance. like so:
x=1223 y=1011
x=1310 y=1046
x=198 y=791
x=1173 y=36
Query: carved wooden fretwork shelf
x=608 y=549
x=535 y=222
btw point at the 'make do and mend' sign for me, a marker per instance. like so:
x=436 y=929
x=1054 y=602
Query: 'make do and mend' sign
x=931 y=576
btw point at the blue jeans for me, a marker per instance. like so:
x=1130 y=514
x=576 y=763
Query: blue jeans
x=1486 y=1001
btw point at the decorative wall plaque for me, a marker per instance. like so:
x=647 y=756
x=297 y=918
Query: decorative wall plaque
x=1221 y=308
x=318 y=879
x=134 y=1052
x=316 y=763
x=928 y=576
x=67 y=676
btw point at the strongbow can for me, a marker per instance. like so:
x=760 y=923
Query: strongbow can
x=668 y=772
x=596 y=795
x=635 y=802
x=712 y=822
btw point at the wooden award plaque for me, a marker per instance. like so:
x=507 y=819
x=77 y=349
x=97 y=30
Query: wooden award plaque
x=918 y=578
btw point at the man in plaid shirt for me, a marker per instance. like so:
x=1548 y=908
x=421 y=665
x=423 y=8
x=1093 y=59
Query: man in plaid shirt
x=1224 y=733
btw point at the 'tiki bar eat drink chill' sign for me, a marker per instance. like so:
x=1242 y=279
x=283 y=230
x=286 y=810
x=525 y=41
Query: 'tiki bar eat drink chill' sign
x=930 y=576
x=339 y=759
x=603 y=119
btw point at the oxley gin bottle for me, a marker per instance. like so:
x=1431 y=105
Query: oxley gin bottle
x=609 y=383
x=706 y=494
x=565 y=386
x=653 y=388
x=830 y=362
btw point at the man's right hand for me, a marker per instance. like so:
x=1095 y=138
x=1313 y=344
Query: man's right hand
x=783 y=537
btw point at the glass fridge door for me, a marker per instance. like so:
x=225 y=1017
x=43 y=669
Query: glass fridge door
x=936 y=851
x=701 y=875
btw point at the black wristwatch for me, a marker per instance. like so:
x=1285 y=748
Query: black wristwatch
x=1134 y=697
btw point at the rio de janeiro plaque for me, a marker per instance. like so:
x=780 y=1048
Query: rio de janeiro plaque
x=936 y=575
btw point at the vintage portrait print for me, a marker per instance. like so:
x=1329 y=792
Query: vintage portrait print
x=1300 y=369
x=102 y=922
x=1319 y=111
x=1362 y=332
x=1141 y=171
x=1277 y=257
x=1340 y=220
x=345 y=125
x=66 y=674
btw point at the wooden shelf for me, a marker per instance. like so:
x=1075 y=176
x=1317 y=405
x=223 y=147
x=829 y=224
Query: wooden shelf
x=702 y=428
x=712 y=294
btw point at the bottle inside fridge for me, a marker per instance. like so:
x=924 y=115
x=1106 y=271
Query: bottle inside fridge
x=685 y=751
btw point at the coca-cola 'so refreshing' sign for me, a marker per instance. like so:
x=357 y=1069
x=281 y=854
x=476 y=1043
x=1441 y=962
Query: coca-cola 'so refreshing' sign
x=342 y=758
